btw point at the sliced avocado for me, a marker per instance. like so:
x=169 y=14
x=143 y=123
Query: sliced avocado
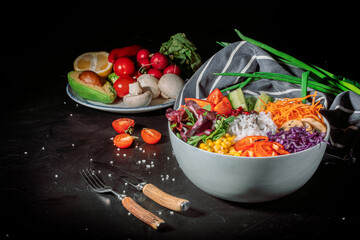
x=237 y=99
x=105 y=93
x=261 y=101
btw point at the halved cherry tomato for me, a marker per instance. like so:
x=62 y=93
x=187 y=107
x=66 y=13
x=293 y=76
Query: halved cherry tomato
x=201 y=103
x=124 y=125
x=123 y=140
x=215 y=96
x=248 y=142
x=150 y=136
x=223 y=107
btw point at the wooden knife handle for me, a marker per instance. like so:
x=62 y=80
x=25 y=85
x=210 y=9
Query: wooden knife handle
x=141 y=213
x=165 y=199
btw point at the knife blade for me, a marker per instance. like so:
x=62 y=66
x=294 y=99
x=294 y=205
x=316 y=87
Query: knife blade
x=151 y=191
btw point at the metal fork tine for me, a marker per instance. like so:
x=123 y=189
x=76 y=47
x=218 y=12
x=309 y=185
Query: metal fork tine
x=88 y=180
x=97 y=180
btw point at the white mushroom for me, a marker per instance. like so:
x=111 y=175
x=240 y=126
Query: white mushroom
x=170 y=85
x=149 y=83
x=135 y=88
x=136 y=96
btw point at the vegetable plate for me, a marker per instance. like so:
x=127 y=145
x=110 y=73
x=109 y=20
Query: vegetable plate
x=118 y=105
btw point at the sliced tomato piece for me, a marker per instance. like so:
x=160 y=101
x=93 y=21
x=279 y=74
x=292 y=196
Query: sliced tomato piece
x=123 y=140
x=150 y=136
x=124 y=125
x=215 y=96
x=223 y=107
x=201 y=103
x=248 y=142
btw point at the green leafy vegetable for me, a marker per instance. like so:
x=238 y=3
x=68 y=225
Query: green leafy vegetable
x=182 y=52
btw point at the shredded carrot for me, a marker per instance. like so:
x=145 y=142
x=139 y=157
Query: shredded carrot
x=293 y=109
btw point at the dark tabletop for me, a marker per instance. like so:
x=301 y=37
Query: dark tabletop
x=46 y=138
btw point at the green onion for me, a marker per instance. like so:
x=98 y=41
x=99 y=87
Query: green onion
x=239 y=85
x=281 y=55
x=286 y=78
x=304 y=83
x=223 y=44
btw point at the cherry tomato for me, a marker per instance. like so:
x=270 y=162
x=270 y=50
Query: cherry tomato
x=124 y=125
x=121 y=85
x=123 y=140
x=150 y=136
x=124 y=67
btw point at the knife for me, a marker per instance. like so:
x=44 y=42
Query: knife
x=151 y=191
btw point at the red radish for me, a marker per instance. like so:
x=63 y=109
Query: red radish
x=142 y=53
x=174 y=69
x=155 y=72
x=144 y=63
x=159 y=61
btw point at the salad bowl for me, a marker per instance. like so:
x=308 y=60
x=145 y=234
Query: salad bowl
x=247 y=179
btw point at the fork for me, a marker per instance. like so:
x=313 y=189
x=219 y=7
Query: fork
x=97 y=185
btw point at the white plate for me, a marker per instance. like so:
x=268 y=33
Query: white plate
x=118 y=105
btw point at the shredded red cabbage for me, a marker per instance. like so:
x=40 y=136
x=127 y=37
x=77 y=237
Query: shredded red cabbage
x=296 y=139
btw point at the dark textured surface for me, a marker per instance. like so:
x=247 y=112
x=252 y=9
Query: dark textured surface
x=46 y=138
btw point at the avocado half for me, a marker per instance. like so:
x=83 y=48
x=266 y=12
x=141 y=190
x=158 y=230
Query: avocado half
x=105 y=94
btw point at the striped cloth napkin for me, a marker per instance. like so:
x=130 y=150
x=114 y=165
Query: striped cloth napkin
x=342 y=111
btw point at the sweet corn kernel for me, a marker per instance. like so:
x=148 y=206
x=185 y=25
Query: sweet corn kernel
x=223 y=145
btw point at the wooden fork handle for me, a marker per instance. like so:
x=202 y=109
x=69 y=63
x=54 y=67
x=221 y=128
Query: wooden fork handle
x=141 y=213
x=165 y=199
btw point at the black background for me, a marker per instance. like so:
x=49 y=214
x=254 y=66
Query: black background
x=40 y=43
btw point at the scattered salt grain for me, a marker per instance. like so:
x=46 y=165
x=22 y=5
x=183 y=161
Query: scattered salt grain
x=25 y=153
x=171 y=212
x=43 y=148
x=124 y=154
x=56 y=176
x=143 y=161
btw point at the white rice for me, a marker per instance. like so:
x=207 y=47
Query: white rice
x=252 y=125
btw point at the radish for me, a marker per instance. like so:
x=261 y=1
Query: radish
x=155 y=72
x=144 y=63
x=142 y=53
x=159 y=61
x=174 y=69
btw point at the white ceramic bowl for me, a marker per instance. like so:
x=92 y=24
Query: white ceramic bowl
x=247 y=179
